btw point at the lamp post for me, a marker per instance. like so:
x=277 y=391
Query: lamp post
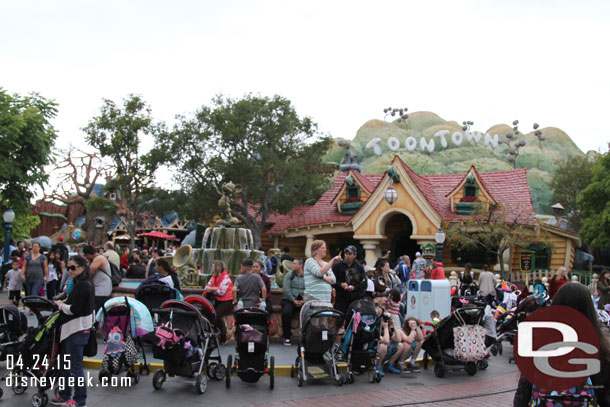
x=8 y=216
x=440 y=239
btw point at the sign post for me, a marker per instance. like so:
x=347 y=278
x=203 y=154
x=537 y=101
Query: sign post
x=527 y=263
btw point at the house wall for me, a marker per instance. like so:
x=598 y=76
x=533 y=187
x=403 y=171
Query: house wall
x=459 y=194
x=562 y=253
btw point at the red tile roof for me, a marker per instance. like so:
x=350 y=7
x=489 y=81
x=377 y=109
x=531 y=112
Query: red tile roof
x=509 y=188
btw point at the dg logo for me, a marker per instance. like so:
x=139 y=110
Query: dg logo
x=557 y=348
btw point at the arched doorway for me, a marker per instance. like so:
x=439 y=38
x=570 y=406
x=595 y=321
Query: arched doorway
x=398 y=230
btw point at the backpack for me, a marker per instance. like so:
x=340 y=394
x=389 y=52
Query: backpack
x=116 y=276
x=166 y=337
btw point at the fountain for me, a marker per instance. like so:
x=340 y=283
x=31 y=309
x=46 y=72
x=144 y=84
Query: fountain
x=227 y=241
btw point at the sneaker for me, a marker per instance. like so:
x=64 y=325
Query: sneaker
x=58 y=401
x=390 y=368
x=72 y=403
x=380 y=370
x=413 y=367
x=287 y=342
x=401 y=366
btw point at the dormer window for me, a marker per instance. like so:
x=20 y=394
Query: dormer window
x=471 y=189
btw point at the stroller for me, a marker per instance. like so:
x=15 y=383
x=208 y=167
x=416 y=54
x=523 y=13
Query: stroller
x=40 y=306
x=508 y=322
x=442 y=345
x=316 y=359
x=124 y=321
x=152 y=296
x=13 y=324
x=184 y=341
x=361 y=341
x=34 y=355
x=215 y=369
x=252 y=358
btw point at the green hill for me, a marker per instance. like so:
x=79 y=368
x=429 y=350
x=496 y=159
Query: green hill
x=541 y=159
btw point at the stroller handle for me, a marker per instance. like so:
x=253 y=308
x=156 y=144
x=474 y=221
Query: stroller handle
x=251 y=310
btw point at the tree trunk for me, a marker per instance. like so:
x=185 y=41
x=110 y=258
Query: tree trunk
x=98 y=234
x=257 y=236
x=130 y=225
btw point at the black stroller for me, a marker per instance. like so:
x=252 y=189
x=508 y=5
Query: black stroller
x=361 y=340
x=316 y=359
x=440 y=344
x=153 y=296
x=13 y=324
x=40 y=306
x=184 y=341
x=252 y=358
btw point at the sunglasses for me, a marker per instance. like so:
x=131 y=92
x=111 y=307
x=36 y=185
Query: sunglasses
x=72 y=268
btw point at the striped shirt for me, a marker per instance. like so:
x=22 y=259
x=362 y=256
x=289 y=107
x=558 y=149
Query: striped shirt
x=392 y=307
x=315 y=285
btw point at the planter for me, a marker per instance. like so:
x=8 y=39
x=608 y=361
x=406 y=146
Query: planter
x=350 y=208
x=468 y=208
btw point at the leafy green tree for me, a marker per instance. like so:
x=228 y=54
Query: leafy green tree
x=22 y=226
x=26 y=137
x=491 y=232
x=258 y=142
x=571 y=177
x=116 y=133
x=594 y=205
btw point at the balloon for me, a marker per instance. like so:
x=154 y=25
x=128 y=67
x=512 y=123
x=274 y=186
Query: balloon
x=76 y=234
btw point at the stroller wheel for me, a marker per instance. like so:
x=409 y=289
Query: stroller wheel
x=339 y=379
x=158 y=379
x=378 y=377
x=202 y=383
x=499 y=345
x=17 y=387
x=229 y=370
x=300 y=379
x=271 y=372
x=136 y=377
x=482 y=364
x=103 y=373
x=425 y=360
x=439 y=369
x=471 y=368
x=40 y=400
x=220 y=372
x=144 y=368
x=292 y=372
x=211 y=370
x=351 y=378
x=1 y=392
x=372 y=377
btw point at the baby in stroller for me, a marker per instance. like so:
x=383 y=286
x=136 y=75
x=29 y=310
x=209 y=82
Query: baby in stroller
x=316 y=359
x=251 y=359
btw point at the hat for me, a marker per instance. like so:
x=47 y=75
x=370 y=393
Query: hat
x=418 y=254
x=351 y=248
x=60 y=238
x=368 y=268
x=370 y=286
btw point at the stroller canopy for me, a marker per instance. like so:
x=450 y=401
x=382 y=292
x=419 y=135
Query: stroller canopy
x=204 y=306
x=141 y=321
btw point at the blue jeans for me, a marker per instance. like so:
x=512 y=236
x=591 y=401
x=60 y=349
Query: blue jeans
x=34 y=288
x=74 y=345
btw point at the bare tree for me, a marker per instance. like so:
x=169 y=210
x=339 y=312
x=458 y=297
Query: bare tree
x=79 y=171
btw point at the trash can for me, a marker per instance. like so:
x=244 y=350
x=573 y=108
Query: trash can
x=425 y=296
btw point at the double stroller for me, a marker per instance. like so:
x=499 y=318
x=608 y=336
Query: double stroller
x=316 y=358
x=124 y=321
x=361 y=340
x=252 y=358
x=185 y=341
x=458 y=342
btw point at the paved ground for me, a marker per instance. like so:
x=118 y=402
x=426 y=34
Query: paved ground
x=492 y=387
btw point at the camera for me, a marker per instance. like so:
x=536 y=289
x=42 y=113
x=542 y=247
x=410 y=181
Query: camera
x=385 y=317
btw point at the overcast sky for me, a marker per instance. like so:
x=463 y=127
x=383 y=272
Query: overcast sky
x=339 y=62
